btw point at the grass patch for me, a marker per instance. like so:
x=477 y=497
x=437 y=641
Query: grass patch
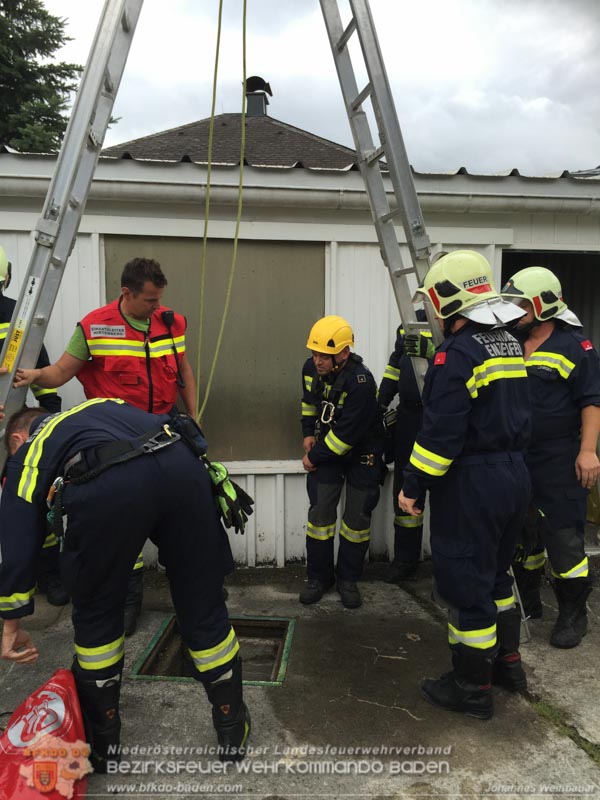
x=559 y=720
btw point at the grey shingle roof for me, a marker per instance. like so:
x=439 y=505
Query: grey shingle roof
x=269 y=143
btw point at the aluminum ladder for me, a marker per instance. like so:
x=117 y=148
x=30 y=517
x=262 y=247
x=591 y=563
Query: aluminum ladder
x=68 y=192
x=391 y=150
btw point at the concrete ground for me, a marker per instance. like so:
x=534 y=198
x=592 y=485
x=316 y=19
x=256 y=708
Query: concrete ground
x=348 y=720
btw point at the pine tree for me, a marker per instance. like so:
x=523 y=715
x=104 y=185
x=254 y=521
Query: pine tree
x=34 y=91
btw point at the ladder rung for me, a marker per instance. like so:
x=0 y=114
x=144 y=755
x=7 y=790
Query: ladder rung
x=343 y=40
x=404 y=271
x=360 y=99
x=125 y=22
x=390 y=215
x=108 y=82
x=374 y=155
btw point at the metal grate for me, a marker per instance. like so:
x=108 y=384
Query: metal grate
x=265 y=644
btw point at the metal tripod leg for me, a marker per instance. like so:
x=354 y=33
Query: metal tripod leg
x=524 y=617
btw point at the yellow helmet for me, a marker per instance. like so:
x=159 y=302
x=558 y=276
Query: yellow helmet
x=541 y=287
x=457 y=281
x=330 y=335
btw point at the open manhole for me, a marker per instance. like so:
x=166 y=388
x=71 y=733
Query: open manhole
x=265 y=644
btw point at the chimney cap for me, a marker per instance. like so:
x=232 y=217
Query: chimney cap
x=257 y=84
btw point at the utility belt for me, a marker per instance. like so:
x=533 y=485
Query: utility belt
x=515 y=456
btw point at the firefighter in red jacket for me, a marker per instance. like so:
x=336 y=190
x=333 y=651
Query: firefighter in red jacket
x=564 y=378
x=469 y=456
x=133 y=349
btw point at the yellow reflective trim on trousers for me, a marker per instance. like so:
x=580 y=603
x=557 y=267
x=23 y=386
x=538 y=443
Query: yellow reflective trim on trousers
x=356 y=537
x=308 y=410
x=505 y=603
x=100 y=657
x=17 y=600
x=494 y=369
x=30 y=472
x=534 y=561
x=222 y=653
x=50 y=541
x=556 y=361
x=481 y=639
x=336 y=445
x=139 y=562
x=580 y=570
x=393 y=373
x=408 y=521
x=320 y=532
x=429 y=462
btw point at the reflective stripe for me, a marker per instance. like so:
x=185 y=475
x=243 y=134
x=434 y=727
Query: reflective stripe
x=4 y=326
x=308 y=382
x=429 y=462
x=408 y=521
x=17 y=600
x=30 y=472
x=320 y=532
x=134 y=347
x=50 y=541
x=336 y=445
x=39 y=392
x=393 y=373
x=308 y=410
x=354 y=536
x=341 y=398
x=578 y=571
x=535 y=561
x=494 y=369
x=560 y=363
x=505 y=603
x=223 y=652
x=481 y=639
x=139 y=562
x=100 y=657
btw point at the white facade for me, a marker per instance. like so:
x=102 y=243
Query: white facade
x=156 y=199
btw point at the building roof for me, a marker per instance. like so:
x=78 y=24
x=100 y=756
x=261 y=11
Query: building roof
x=269 y=143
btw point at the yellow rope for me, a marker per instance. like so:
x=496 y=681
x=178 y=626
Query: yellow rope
x=207 y=202
x=238 y=219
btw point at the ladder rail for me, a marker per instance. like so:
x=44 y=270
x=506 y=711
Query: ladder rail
x=67 y=194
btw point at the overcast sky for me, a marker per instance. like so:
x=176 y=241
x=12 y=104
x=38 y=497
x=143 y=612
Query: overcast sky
x=489 y=85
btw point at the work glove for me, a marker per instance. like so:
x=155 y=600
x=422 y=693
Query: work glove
x=232 y=502
x=419 y=345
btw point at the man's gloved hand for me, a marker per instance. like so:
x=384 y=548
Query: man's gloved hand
x=233 y=503
x=419 y=345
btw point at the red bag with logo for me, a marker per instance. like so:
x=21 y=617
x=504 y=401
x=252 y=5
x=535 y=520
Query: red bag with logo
x=42 y=750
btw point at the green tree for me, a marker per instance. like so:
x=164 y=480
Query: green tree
x=34 y=91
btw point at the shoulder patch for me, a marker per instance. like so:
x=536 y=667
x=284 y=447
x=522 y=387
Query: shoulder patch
x=586 y=344
x=361 y=378
x=440 y=358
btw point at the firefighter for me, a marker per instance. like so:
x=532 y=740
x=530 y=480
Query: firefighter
x=343 y=442
x=399 y=378
x=48 y=577
x=119 y=475
x=564 y=379
x=469 y=456
x=134 y=349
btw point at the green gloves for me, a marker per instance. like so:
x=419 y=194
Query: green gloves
x=419 y=345
x=233 y=503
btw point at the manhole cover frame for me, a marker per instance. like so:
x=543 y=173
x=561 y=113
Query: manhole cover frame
x=281 y=660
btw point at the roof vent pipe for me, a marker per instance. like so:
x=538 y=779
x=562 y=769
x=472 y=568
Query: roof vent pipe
x=256 y=96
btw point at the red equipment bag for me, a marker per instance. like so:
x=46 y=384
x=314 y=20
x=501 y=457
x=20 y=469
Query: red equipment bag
x=43 y=752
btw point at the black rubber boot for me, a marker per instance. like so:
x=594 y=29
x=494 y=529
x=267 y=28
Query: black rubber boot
x=508 y=670
x=467 y=688
x=133 y=601
x=571 y=625
x=349 y=594
x=230 y=715
x=48 y=580
x=529 y=582
x=313 y=591
x=99 y=701
x=399 y=571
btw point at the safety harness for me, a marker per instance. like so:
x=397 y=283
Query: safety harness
x=329 y=402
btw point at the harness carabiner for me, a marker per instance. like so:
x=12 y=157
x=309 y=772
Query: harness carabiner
x=327 y=412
